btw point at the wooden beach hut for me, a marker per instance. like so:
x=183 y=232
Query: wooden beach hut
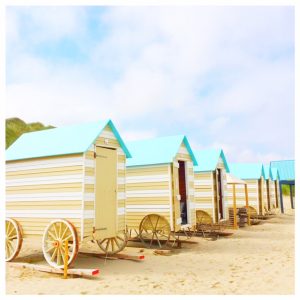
x=286 y=170
x=275 y=192
x=253 y=174
x=66 y=183
x=210 y=184
x=160 y=187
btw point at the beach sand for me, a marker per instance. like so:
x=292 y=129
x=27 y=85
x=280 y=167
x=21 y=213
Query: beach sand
x=255 y=260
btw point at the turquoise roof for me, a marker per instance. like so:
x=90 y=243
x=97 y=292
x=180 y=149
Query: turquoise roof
x=267 y=171
x=208 y=160
x=274 y=174
x=286 y=169
x=157 y=150
x=247 y=170
x=60 y=141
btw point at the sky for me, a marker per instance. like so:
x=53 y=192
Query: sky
x=223 y=76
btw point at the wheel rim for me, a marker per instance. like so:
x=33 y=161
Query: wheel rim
x=114 y=244
x=154 y=229
x=54 y=238
x=13 y=239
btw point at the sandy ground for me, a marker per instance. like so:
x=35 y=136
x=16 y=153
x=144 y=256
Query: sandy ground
x=255 y=260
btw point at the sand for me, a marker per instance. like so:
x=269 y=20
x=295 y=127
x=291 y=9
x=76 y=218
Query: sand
x=255 y=260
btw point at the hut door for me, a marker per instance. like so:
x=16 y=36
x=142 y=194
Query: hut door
x=220 y=193
x=176 y=197
x=182 y=192
x=106 y=192
x=276 y=192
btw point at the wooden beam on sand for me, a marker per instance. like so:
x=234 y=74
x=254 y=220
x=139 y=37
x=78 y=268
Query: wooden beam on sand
x=48 y=269
x=115 y=256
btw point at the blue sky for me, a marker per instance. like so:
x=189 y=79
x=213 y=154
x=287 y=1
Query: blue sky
x=224 y=76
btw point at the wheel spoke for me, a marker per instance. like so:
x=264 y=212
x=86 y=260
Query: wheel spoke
x=55 y=230
x=117 y=243
x=101 y=242
x=158 y=240
x=108 y=242
x=156 y=223
x=51 y=235
x=53 y=254
x=59 y=231
x=65 y=231
x=11 y=248
x=151 y=222
x=11 y=231
x=58 y=256
x=49 y=249
x=119 y=238
x=151 y=240
x=68 y=237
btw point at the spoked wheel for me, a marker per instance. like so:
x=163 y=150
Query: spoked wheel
x=114 y=244
x=55 y=236
x=154 y=229
x=13 y=239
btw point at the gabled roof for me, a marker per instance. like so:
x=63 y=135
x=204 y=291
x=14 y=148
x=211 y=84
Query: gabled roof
x=60 y=141
x=208 y=160
x=286 y=169
x=267 y=171
x=157 y=150
x=247 y=170
x=274 y=173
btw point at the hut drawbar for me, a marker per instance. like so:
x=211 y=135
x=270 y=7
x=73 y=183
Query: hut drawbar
x=70 y=181
x=210 y=184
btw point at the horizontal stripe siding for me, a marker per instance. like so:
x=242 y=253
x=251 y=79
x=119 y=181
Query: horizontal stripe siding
x=204 y=205
x=147 y=193
x=203 y=182
x=45 y=163
x=146 y=171
x=52 y=205
x=203 y=194
x=40 y=213
x=145 y=179
x=44 y=196
x=147 y=186
x=48 y=180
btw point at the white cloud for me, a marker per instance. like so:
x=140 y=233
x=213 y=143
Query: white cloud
x=214 y=72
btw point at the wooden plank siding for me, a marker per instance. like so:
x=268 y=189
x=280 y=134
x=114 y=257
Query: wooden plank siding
x=147 y=191
x=43 y=189
x=205 y=192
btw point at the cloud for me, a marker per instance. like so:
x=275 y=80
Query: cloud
x=221 y=75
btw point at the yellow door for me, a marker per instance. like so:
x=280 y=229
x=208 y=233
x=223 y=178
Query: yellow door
x=260 y=196
x=176 y=197
x=106 y=192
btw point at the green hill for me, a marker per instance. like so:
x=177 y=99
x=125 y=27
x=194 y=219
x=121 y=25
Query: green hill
x=15 y=127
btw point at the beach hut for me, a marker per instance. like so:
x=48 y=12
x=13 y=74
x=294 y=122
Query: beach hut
x=286 y=170
x=66 y=183
x=160 y=187
x=236 y=188
x=210 y=184
x=253 y=174
x=275 y=192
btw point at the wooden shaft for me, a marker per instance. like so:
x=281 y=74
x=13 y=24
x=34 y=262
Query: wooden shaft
x=247 y=204
x=66 y=260
x=234 y=208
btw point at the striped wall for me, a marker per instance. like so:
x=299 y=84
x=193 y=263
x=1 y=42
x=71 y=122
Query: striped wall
x=204 y=192
x=265 y=194
x=272 y=194
x=105 y=139
x=149 y=190
x=43 y=189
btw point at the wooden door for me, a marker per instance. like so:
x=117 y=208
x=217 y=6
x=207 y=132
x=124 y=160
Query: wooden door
x=268 y=194
x=106 y=192
x=260 y=196
x=182 y=192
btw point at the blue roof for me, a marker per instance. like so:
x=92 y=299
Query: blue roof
x=267 y=171
x=60 y=141
x=274 y=174
x=286 y=169
x=247 y=170
x=208 y=160
x=157 y=150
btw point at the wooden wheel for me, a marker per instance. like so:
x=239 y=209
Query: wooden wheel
x=55 y=235
x=202 y=217
x=154 y=228
x=13 y=239
x=114 y=244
